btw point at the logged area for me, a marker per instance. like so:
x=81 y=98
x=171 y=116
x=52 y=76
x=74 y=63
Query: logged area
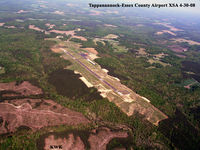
x=96 y=139
x=33 y=113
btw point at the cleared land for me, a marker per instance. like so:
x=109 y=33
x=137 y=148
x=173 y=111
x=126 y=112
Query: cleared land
x=142 y=52
x=71 y=32
x=110 y=25
x=32 y=113
x=151 y=61
x=50 y=25
x=169 y=26
x=111 y=39
x=1 y=24
x=97 y=139
x=122 y=96
x=181 y=40
x=25 y=88
x=165 y=31
x=47 y=114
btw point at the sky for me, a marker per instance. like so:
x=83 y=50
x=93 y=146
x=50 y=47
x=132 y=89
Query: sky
x=195 y=9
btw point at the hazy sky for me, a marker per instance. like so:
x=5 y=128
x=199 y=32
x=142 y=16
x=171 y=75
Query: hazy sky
x=195 y=9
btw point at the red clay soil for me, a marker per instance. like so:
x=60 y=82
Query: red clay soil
x=25 y=88
x=48 y=105
x=36 y=114
x=39 y=113
x=64 y=32
x=98 y=140
x=33 y=113
x=91 y=50
x=70 y=143
x=101 y=138
x=11 y=94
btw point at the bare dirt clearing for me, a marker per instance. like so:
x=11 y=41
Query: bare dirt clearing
x=142 y=52
x=36 y=114
x=72 y=142
x=160 y=55
x=170 y=31
x=80 y=37
x=32 y=113
x=91 y=50
x=1 y=24
x=110 y=25
x=56 y=50
x=87 y=83
x=180 y=40
x=72 y=33
x=169 y=26
x=10 y=27
x=97 y=139
x=111 y=36
x=100 y=139
x=25 y=88
x=33 y=27
x=165 y=31
x=151 y=61
x=50 y=25
x=92 y=56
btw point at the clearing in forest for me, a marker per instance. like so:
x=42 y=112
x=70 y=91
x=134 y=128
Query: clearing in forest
x=126 y=99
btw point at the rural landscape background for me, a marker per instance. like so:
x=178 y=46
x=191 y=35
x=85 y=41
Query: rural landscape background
x=75 y=77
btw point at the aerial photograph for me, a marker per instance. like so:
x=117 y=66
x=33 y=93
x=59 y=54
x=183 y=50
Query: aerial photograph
x=99 y=74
